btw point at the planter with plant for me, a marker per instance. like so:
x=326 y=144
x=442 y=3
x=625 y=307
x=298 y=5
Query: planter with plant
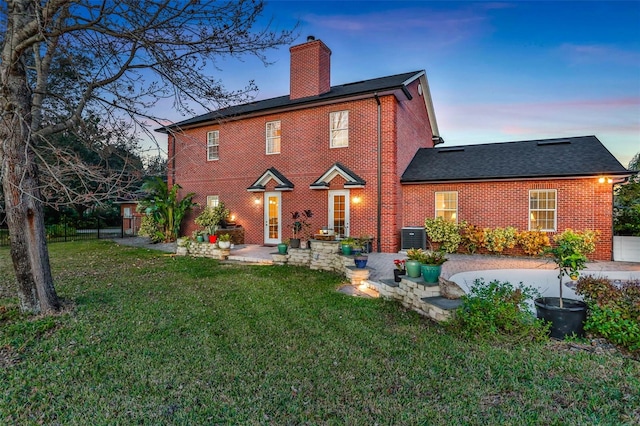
x=210 y=219
x=282 y=247
x=224 y=241
x=400 y=269
x=414 y=262
x=299 y=226
x=567 y=316
x=431 y=266
x=346 y=245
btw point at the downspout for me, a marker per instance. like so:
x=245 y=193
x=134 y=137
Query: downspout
x=379 y=175
x=173 y=159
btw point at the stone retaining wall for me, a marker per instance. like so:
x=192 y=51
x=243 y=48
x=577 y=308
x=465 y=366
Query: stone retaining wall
x=196 y=249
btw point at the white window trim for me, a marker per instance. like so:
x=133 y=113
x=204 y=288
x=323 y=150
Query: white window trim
x=268 y=138
x=554 y=210
x=331 y=129
x=455 y=212
x=213 y=200
x=211 y=144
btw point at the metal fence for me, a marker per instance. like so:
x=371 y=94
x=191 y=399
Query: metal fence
x=68 y=232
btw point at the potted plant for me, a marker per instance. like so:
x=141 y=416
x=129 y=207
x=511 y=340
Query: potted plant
x=431 y=265
x=346 y=245
x=367 y=243
x=224 y=241
x=300 y=224
x=360 y=258
x=210 y=218
x=282 y=247
x=567 y=316
x=400 y=269
x=414 y=262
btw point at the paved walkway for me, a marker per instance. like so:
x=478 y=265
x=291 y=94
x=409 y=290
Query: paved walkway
x=382 y=266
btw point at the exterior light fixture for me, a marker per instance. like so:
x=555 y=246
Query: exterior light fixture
x=257 y=200
x=356 y=200
x=609 y=180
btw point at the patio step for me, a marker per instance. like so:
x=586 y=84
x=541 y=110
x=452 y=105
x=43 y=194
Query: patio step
x=440 y=308
x=249 y=260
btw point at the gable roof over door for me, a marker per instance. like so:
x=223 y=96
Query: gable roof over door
x=536 y=159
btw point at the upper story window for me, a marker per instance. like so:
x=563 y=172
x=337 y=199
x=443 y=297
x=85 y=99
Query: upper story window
x=447 y=205
x=339 y=123
x=213 y=200
x=273 y=137
x=213 y=145
x=542 y=209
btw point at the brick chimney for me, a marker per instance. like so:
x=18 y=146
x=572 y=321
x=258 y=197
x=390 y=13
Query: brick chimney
x=310 y=69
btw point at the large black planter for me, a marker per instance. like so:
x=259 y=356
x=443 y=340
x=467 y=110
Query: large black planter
x=294 y=242
x=565 y=321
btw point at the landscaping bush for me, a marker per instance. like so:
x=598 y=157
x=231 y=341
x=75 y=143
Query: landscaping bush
x=499 y=308
x=533 y=243
x=445 y=232
x=614 y=309
x=60 y=230
x=498 y=239
x=472 y=237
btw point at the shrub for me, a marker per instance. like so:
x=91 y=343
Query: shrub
x=614 y=309
x=150 y=228
x=445 y=232
x=583 y=241
x=472 y=237
x=533 y=243
x=60 y=230
x=499 y=308
x=497 y=239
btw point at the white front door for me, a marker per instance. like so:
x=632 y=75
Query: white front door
x=339 y=212
x=272 y=218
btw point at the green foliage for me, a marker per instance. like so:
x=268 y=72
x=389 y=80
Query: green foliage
x=571 y=249
x=445 y=232
x=210 y=217
x=224 y=237
x=498 y=239
x=150 y=228
x=533 y=243
x=614 y=309
x=626 y=203
x=60 y=230
x=427 y=257
x=301 y=225
x=496 y=309
x=164 y=206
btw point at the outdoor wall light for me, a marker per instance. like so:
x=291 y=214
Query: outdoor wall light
x=601 y=179
x=356 y=200
x=257 y=200
x=233 y=218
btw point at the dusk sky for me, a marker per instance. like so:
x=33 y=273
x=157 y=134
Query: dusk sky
x=498 y=71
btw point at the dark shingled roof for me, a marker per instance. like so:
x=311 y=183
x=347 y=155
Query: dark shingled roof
x=336 y=92
x=565 y=157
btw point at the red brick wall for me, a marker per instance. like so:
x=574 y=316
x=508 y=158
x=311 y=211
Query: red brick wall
x=582 y=204
x=310 y=69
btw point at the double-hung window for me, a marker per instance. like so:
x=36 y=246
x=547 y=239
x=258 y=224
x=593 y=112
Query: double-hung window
x=447 y=205
x=213 y=143
x=273 y=137
x=339 y=129
x=542 y=209
x=213 y=200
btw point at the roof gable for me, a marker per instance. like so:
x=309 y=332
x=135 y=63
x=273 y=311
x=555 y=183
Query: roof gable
x=565 y=157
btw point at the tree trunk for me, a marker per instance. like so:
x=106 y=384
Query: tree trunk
x=18 y=170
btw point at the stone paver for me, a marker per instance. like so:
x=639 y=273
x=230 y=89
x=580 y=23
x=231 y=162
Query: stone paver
x=381 y=265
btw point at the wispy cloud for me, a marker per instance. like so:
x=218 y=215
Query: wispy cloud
x=596 y=53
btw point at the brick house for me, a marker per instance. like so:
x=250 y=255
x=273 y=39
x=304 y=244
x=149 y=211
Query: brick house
x=357 y=155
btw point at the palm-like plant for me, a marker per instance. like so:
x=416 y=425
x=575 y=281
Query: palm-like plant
x=164 y=206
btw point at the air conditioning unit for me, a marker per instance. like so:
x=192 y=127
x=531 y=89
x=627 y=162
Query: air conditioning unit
x=413 y=237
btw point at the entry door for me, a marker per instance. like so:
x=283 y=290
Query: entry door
x=272 y=217
x=339 y=212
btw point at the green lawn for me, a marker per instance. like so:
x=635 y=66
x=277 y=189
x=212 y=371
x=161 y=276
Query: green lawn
x=152 y=339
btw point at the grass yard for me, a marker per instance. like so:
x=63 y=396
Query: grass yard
x=152 y=339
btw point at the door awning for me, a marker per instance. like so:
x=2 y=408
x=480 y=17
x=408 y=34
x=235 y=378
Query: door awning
x=283 y=184
x=352 y=180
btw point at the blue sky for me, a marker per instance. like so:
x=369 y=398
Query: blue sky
x=498 y=71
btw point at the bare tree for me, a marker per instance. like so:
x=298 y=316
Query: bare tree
x=117 y=57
